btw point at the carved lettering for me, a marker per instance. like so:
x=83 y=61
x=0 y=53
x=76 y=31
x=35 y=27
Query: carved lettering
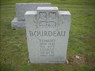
x=47 y=33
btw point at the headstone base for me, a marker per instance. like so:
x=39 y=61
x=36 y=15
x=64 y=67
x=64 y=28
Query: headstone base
x=17 y=24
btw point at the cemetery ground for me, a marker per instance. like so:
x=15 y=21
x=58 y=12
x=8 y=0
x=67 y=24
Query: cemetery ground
x=81 y=47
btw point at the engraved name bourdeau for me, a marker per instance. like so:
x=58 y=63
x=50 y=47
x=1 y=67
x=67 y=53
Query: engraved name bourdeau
x=47 y=33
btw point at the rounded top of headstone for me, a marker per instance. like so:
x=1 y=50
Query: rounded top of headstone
x=47 y=8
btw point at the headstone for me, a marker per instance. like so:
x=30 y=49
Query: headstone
x=21 y=8
x=47 y=34
x=17 y=24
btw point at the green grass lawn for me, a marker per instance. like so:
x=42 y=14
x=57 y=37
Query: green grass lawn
x=13 y=45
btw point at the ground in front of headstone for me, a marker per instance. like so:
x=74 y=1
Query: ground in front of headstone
x=73 y=61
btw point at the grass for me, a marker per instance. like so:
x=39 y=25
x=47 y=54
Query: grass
x=13 y=45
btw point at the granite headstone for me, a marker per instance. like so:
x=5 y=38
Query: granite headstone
x=47 y=34
x=21 y=8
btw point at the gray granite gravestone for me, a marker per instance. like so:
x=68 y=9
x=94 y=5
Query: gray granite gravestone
x=21 y=8
x=47 y=34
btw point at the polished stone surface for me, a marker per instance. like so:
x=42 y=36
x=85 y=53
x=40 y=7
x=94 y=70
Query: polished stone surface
x=47 y=34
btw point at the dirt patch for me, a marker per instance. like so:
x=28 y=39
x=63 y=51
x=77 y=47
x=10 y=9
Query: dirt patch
x=90 y=62
x=76 y=60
